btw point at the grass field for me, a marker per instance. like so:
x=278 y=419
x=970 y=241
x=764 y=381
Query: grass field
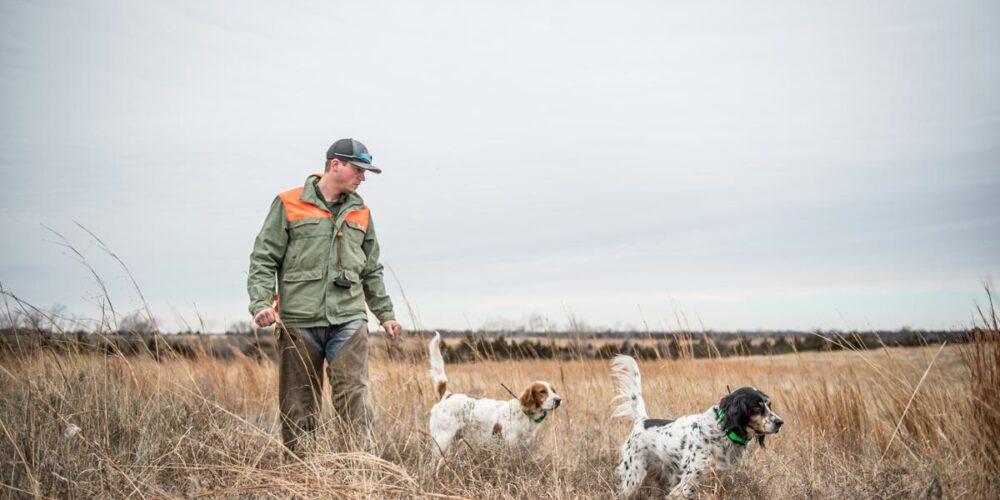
x=890 y=423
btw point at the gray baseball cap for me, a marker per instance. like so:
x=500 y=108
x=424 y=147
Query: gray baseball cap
x=354 y=152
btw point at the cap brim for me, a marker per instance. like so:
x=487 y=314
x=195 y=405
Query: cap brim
x=366 y=166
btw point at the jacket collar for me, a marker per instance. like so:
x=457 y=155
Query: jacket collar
x=311 y=195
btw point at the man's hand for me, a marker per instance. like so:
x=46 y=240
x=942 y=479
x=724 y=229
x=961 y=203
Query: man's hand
x=265 y=317
x=392 y=328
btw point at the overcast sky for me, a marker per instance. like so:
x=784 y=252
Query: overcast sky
x=733 y=165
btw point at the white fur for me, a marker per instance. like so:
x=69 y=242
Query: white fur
x=479 y=420
x=437 y=365
x=679 y=452
x=625 y=374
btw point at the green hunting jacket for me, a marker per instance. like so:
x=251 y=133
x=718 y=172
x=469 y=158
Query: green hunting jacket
x=304 y=248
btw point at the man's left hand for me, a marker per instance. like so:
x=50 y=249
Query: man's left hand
x=392 y=328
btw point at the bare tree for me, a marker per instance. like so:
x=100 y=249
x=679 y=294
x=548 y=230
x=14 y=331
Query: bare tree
x=238 y=328
x=136 y=323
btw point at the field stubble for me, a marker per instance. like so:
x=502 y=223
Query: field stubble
x=890 y=423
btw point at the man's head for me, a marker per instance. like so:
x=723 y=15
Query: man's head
x=344 y=176
x=353 y=152
x=347 y=160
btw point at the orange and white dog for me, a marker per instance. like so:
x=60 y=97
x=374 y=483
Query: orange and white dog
x=515 y=421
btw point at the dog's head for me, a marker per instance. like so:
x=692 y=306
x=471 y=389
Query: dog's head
x=747 y=410
x=540 y=397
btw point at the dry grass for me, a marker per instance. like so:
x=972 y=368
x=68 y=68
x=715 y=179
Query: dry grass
x=890 y=423
x=857 y=426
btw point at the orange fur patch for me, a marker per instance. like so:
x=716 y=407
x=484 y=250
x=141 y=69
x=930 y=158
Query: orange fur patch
x=534 y=396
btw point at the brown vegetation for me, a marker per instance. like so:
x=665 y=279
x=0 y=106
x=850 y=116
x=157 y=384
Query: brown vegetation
x=126 y=412
x=882 y=423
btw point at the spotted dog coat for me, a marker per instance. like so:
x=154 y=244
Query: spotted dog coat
x=514 y=421
x=679 y=452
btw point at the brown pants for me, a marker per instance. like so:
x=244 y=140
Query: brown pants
x=300 y=386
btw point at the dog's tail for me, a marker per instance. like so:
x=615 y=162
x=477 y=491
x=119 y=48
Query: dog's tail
x=437 y=366
x=625 y=373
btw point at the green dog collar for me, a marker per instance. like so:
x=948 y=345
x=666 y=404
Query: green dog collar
x=533 y=417
x=733 y=436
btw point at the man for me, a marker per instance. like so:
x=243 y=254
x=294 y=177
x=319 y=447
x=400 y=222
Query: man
x=318 y=242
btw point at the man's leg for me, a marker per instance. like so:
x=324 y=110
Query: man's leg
x=348 y=372
x=299 y=386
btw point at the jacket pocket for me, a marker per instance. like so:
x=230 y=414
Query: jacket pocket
x=354 y=300
x=308 y=246
x=354 y=253
x=353 y=276
x=313 y=274
x=308 y=228
x=355 y=225
x=302 y=294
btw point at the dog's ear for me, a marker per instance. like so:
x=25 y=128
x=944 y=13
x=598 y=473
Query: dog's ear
x=541 y=393
x=528 y=398
x=736 y=408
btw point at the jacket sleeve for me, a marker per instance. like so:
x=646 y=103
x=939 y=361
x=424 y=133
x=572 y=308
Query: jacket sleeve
x=371 y=278
x=265 y=260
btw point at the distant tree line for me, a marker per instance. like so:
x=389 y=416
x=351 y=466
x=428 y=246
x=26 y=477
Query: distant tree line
x=461 y=347
x=472 y=347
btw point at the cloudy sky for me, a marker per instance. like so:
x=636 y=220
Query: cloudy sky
x=732 y=165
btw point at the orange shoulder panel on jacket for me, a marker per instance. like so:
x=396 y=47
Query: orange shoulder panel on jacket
x=296 y=209
x=359 y=217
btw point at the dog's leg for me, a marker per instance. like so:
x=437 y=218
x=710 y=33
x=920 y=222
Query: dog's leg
x=438 y=467
x=688 y=485
x=631 y=470
x=442 y=443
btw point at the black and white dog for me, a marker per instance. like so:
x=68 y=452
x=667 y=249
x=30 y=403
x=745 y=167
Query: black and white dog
x=678 y=452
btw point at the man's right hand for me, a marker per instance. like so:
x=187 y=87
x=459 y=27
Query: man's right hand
x=265 y=317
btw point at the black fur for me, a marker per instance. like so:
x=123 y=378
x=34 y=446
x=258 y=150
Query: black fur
x=656 y=422
x=738 y=407
x=677 y=453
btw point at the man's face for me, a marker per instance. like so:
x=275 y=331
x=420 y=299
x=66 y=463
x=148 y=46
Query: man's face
x=347 y=177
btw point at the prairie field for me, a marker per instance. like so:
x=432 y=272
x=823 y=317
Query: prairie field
x=885 y=423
